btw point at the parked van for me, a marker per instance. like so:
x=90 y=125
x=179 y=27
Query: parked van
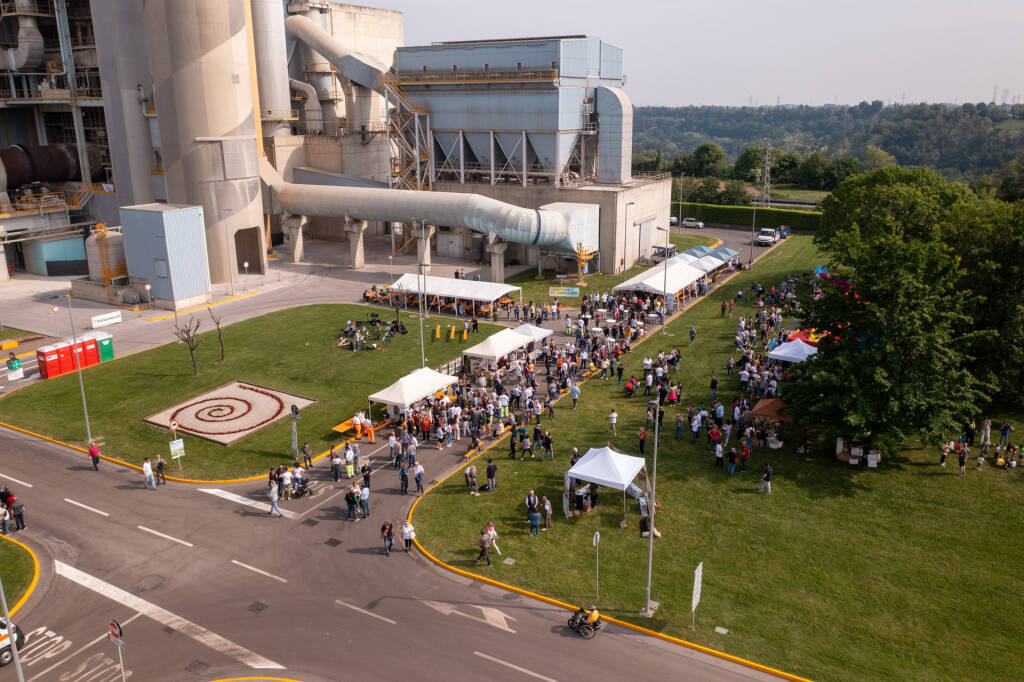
x=6 y=655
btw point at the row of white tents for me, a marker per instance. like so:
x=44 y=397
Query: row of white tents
x=459 y=289
x=679 y=272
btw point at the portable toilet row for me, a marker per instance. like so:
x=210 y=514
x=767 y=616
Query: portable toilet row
x=59 y=358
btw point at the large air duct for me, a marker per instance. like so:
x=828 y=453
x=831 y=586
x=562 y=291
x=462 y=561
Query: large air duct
x=271 y=65
x=22 y=164
x=202 y=83
x=359 y=68
x=314 y=113
x=614 y=136
x=28 y=54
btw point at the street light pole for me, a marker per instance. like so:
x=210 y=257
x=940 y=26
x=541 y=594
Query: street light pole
x=56 y=324
x=650 y=510
x=422 y=283
x=78 y=367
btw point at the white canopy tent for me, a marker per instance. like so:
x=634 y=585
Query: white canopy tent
x=535 y=333
x=658 y=280
x=467 y=290
x=707 y=263
x=793 y=351
x=606 y=467
x=499 y=345
x=413 y=387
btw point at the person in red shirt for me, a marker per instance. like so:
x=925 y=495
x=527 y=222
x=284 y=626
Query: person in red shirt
x=94 y=455
x=744 y=456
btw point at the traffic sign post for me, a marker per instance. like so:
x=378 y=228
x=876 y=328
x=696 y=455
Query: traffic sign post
x=177 y=445
x=117 y=637
x=295 y=431
x=597 y=565
x=698 y=578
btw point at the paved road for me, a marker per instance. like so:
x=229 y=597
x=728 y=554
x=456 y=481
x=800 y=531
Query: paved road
x=206 y=587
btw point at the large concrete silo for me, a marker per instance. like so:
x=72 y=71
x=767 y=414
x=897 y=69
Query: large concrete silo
x=202 y=82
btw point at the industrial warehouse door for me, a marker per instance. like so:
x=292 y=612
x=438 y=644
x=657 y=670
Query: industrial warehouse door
x=449 y=244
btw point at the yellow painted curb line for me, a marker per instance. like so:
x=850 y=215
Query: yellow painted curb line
x=200 y=307
x=550 y=600
x=35 y=576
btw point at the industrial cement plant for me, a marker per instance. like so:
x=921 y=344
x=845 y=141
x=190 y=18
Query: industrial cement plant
x=178 y=143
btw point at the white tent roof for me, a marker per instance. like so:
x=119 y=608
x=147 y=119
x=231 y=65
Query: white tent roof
x=708 y=263
x=793 y=351
x=653 y=280
x=455 y=288
x=415 y=386
x=685 y=257
x=499 y=345
x=607 y=467
x=535 y=333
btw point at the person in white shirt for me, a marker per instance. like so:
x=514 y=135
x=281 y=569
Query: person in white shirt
x=147 y=471
x=364 y=500
x=392 y=447
x=417 y=472
x=286 y=484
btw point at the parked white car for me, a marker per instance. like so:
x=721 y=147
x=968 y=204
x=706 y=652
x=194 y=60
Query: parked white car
x=767 y=236
x=694 y=223
x=6 y=656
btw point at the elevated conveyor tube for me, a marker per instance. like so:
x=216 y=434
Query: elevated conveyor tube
x=357 y=67
x=478 y=213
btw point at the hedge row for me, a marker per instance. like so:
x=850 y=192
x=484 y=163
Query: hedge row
x=804 y=221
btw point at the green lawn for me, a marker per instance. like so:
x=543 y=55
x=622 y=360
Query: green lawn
x=537 y=289
x=292 y=350
x=797 y=193
x=11 y=333
x=905 y=572
x=17 y=571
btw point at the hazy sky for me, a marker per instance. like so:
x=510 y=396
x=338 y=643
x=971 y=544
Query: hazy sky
x=793 y=51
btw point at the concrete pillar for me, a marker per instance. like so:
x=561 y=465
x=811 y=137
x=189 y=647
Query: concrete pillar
x=355 y=243
x=292 y=225
x=497 y=251
x=423 y=234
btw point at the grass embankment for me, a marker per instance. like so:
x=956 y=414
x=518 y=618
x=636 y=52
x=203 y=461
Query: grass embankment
x=797 y=193
x=537 y=289
x=17 y=570
x=842 y=573
x=8 y=333
x=292 y=350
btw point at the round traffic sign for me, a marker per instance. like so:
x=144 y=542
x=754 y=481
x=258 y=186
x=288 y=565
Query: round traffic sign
x=174 y=425
x=115 y=630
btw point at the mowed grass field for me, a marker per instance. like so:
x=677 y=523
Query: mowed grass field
x=17 y=570
x=842 y=573
x=8 y=333
x=292 y=350
x=537 y=289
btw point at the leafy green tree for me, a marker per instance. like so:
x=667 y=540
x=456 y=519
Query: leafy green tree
x=708 y=160
x=891 y=364
x=840 y=170
x=785 y=165
x=813 y=172
x=877 y=158
x=734 y=194
x=688 y=188
x=748 y=165
x=707 y=191
x=1012 y=186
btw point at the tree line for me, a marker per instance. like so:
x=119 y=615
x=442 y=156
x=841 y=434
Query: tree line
x=924 y=329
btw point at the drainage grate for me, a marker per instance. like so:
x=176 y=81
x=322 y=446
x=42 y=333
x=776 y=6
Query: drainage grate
x=197 y=667
x=257 y=607
x=310 y=522
x=332 y=542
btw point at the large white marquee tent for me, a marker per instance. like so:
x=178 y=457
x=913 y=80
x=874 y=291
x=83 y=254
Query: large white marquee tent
x=413 y=387
x=464 y=289
x=658 y=280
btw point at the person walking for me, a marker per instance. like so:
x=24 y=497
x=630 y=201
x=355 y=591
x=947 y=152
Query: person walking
x=272 y=494
x=547 y=441
x=366 y=471
x=719 y=459
x=492 y=535
x=408 y=534
x=387 y=536
x=492 y=475
x=485 y=545
x=766 y=479
x=403 y=475
x=693 y=335
x=417 y=473
x=943 y=453
x=714 y=387
x=534 y=518
x=351 y=501
x=17 y=509
x=965 y=451
x=613 y=419
x=335 y=465
x=307 y=456
x=5 y=520
x=642 y=436
x=545 y=507
x=732 y=461
x=147 y=471
x=575 y=393
x=160 y=464
x=364 y=500
x=94 y=455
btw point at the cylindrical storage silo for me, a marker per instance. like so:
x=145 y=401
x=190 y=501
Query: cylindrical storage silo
x=202 y=83
x=272 y=65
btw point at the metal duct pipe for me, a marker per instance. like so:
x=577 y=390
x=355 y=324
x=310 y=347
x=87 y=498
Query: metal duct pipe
x=357 y=67
x=478 y=213
x=29 y=52
x=614 y=136
x=271 y=65
x=314 y=112
x=22 y=164
x=202 y=84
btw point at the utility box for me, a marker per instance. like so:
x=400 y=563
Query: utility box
x=165 y=247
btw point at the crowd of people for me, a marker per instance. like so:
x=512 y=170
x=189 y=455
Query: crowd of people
x=12 y=510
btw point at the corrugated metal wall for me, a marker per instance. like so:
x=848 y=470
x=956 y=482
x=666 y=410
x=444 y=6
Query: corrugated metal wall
x=164 y=242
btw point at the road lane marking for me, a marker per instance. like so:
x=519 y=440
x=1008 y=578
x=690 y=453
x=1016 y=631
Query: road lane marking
x=319 y=504
x=12 y=478
x=165 y=617
x=496 y=618
x=94 y=642
x=166 y=537
x=256 y=570
x=513 y=666
x=365 y=612
x=85 y=506
x=247 y=501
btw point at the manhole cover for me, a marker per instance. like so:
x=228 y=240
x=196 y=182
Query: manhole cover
x=310 y=522
x=196 y=667
x=257 y=607
x=332 y=542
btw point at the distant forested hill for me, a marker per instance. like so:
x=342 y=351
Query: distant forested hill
x=962 y=142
